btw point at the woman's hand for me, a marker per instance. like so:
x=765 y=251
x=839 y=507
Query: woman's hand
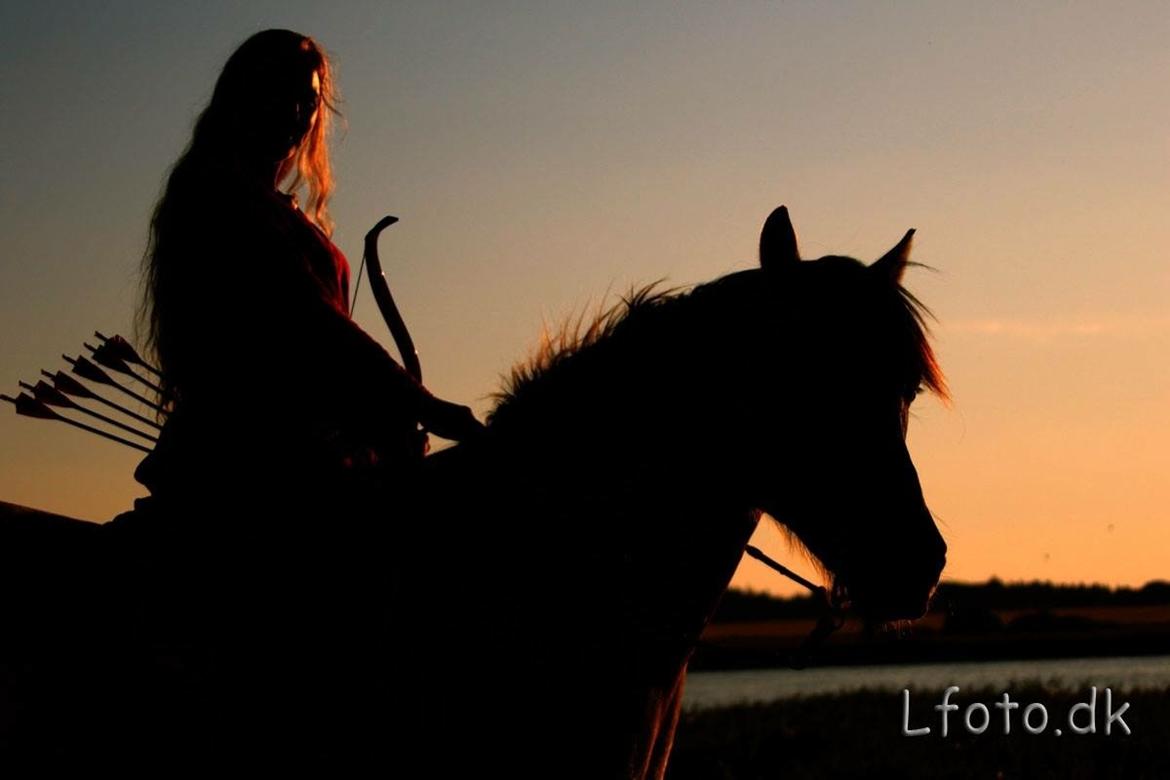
x=451 y=421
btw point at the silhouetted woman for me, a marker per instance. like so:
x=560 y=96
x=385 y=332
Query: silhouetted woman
x=246 y=296
x=279 y=481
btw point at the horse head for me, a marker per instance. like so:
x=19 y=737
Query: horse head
x=837 y=356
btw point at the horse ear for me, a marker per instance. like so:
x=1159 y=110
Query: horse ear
x=893 y=263
x=778 y=241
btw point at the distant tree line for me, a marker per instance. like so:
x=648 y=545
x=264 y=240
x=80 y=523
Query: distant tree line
x=741 y=605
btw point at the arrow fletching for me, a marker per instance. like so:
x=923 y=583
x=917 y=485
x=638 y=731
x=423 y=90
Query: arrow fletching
x=108 y=357
x=47 y=394
x=84 y=368
x=122 y=349
x=28 y=406
x=68 y=385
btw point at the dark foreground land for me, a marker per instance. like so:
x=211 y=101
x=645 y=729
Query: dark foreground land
x=859 y=735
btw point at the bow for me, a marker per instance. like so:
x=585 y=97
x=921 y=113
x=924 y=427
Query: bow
x=381 y=289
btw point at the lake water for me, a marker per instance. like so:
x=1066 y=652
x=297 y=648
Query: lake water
x=721 y=689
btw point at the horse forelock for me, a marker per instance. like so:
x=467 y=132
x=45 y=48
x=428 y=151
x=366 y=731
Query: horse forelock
x=924 y=363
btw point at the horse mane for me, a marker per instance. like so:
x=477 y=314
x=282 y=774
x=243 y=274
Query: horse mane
x=563 y=348
x=576 y=334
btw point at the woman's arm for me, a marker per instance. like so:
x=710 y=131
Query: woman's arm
x=301 y=322
x=358 y=356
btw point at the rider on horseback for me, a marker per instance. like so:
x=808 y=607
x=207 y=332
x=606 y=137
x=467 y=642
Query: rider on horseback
x=263 y=554
x=265 y=374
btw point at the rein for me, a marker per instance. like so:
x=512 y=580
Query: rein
x=833 y=605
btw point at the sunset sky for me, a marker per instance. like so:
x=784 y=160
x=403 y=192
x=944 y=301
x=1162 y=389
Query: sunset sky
x=540 y=154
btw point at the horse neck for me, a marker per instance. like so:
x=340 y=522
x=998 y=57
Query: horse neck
x=631 y=426
x=636 y=451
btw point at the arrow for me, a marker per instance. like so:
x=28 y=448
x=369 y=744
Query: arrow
x=70 y=386
x=51 y=396
x=108 y=357
x=122 y=349
x=84 y=368
x=30 y=407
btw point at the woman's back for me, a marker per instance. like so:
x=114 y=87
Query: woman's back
x=274 y=378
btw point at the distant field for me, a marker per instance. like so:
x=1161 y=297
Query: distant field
x=798 y=627
x=1060 y=632
x=859 y=735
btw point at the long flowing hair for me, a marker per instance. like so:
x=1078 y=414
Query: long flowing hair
x=227 y=147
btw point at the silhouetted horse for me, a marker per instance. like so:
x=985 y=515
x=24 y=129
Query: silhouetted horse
x=551 y=589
